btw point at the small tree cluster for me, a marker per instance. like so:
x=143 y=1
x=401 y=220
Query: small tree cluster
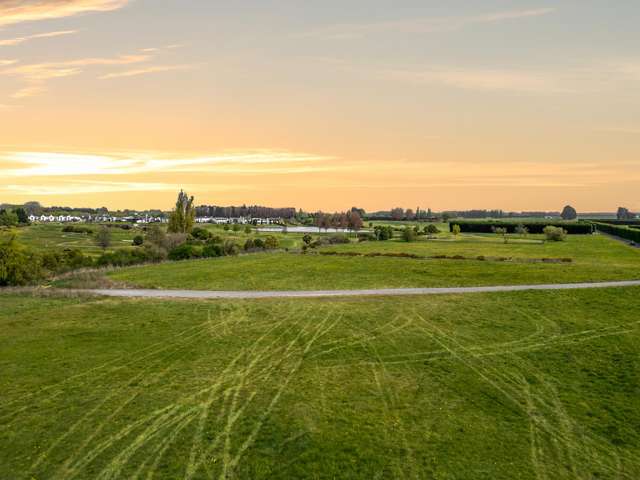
x=554 y=234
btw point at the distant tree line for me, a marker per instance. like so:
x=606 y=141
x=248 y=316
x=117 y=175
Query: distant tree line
x=254 y=211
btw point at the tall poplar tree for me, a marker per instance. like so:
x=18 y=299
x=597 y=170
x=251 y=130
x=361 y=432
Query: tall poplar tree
x=183 y=216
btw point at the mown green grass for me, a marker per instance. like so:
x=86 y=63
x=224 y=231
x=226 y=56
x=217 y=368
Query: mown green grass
x=595 y=258
x=49 y=236
x=524 y=385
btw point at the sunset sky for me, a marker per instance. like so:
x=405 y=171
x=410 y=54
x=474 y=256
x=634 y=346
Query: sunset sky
x=519 y=105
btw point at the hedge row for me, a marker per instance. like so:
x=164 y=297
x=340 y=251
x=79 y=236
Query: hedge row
x=619 y=222
x=619 y=231
x=572 y=228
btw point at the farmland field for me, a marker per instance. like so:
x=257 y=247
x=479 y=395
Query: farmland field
x=524 y=385
x=593 y=258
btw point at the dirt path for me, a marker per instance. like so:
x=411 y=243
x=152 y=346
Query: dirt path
x=203 y=294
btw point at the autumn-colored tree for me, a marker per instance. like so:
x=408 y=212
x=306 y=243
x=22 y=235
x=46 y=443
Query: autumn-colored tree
x=397 y=213
x=183 y=216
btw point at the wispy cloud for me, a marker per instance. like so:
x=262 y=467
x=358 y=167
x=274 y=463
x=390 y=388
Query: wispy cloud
x=8 y=42
x=77 y=188
x=36 y=75
x=52 y=164
x=420 y=25
x=513 y=80
x=145 y=71
x=18 y=11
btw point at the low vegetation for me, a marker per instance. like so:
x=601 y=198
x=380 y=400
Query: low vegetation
x=523 y=385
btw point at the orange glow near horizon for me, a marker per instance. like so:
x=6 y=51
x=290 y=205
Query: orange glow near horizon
x=315 y=110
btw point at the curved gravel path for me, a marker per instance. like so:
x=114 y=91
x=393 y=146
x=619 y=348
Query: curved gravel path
x=352 y=293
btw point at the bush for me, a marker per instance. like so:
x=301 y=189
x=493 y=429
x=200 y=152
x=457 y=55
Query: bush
x=77 y=229
x=185 y=252
x=366 y=236
x=431 y=229
x=271 y=243
x=201 y=233
x=249 y=245
x=383 y=232
x=138 y=240
x=103 y=238
x=337 y=239
x=621 y=231
x=122 y=257
x=231 y=248
x=247 y=230
x=8 y=218
x=18 y=265
x=236 y=227
x=307 y=239
x=554 y=234
x=455 y=229
x=408 y=234
x=486 y=226
x=212 y=250
x=258 y=243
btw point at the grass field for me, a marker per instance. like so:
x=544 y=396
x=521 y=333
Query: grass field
x=594 y=258
x=48 y=236
x=485 y=386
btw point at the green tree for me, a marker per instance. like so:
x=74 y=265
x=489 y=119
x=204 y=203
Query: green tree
x=569 y=213
x=103 y=237
x=8 y=218
x=455 y=230
x=271 y=242
x=554 y=234
x=23 y=218
x=431 y=230
x=501 y=231
x=18 y=266
x=183 y=215
x=408 y=234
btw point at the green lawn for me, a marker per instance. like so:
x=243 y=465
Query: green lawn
x=48 y=236
x=595 y=258
x=526 y=385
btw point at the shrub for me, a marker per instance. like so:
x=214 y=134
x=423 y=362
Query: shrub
x=138 y=240
x=533 y=227
x=8 y=218
x=236 y=227
x=431 y=229
x=226 y=227
x=307 y=239
x=249 y=245
x=185 y=252
x=247 y=230
x=455 y=229
x=554 y=234
x=212 y=250
x=77 y=229
x=18 y=265
x=383 y=232
x=365 y=237
x=258 y=243
x=337 y=239
x=103 y=238
x=271 y=243
x=201 y=233
x=408 y=234
x=231 y=248
x=157 y=237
